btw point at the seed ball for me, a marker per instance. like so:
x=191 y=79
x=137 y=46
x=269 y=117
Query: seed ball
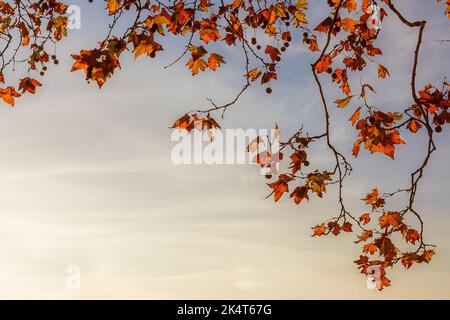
x=258 y=47
x=438 y=129
x=268 y=90
x=440 y=121
x=283 y=49
x=253 y=40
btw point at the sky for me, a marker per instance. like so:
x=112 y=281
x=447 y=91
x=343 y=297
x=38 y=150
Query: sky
x=86 y=180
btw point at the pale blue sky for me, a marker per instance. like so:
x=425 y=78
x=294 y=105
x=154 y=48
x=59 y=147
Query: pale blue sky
x=86 y=179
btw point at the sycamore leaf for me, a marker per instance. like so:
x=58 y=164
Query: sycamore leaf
x=29 y=85
x=254 y=74
x=8 y=94
x=414 y=126
x=214 y=61
x=324 y=64
x=365 y=218
x=319 y=230
x=342 y=103
x=299 y=194
x=392 y=219
x=268 y=76
x=370 y=248
x=349 y=24
x=113 y=6
x=197 y=65
x=355 y=116
x=383 y=72
x=272 y=52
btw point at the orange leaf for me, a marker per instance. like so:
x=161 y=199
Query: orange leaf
x=254 y=74
x=113 y=6
x=324 y=64
x=347 y=227
x=370 y=248
x=383 y=72
x=342 y=103
x=365 y=218
x=29 y=84
x=414 y=126
x=393 y=219
x=299 y=194
x=319 y=230
x=349 y=24
x=214 y=61
x=355 y=116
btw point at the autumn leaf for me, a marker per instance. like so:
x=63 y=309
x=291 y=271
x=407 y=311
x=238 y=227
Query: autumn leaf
x=272 y=52
x=280 y=186
x=182 y=123
x=347 y=227
x=299 y=194
x=370 y=248
x=409 y=259
x=113 y=6
x=254 y=74
x=196 y=63
x=372 y=197
x=427 y=255
x=355 y=116
x=214 y=61
x=411 y=235
x=8 y=94
x=350 y=5
x=364 y=236
x=383 y=72
x=29 y=85
x=268 y=76
x=365 y=218
x=349 y=24
x=342 y=103
x=391 y=219
x=319 y=230
x=414 y=126
x=324 y=64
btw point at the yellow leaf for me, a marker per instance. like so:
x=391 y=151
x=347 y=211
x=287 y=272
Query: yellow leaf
x=113 y=6
x=342 y=103
x=355 y=116
x=383 y=72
